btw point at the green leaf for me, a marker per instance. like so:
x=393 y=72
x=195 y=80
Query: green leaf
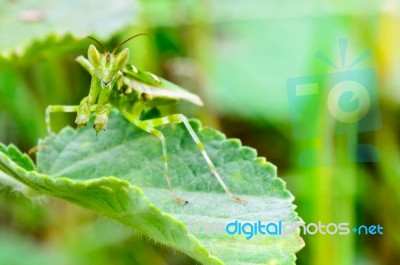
x=79 y=162
x=25 y=22
x=22 y=160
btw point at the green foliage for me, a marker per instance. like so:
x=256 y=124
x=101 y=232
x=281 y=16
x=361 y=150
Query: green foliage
x=14 y=247
x=28 y=24
x=237 y=55
x=19 y=158
x=76 y=166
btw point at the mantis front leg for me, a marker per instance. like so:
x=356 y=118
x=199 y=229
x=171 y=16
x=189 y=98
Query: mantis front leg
x=149 y=126
x=86 y=103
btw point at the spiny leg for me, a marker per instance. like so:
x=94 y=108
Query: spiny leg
x=144 y=125
x=178 y=118
x=102 y=113
x=86 y=104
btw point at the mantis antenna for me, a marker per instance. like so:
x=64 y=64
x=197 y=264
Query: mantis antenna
x=119 y=45
x=128 y=39
x=98 y=42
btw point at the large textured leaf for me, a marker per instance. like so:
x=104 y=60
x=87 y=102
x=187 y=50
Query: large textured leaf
x=23 y=23
x=77 y=163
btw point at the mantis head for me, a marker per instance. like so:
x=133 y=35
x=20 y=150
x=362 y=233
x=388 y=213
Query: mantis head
x=108 y=64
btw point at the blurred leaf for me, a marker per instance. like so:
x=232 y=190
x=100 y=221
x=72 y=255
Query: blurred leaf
x=253 y=59
x=76 y=160
x=257 y=45
x=25 y=22
x=18 y=250
x=22 y=160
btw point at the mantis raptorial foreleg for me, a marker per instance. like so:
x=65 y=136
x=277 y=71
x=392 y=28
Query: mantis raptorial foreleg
x=149 y=126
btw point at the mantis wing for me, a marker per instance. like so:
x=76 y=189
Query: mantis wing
x=157 y=87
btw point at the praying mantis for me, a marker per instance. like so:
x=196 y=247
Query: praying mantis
x=117 y=84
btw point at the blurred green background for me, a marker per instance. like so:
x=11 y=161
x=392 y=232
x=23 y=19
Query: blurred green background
x=237 y=55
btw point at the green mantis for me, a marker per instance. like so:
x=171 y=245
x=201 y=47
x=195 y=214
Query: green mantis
x=116 y=84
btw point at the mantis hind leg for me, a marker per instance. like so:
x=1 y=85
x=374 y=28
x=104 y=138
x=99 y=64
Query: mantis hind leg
x=146 y=126
x=149 y=125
